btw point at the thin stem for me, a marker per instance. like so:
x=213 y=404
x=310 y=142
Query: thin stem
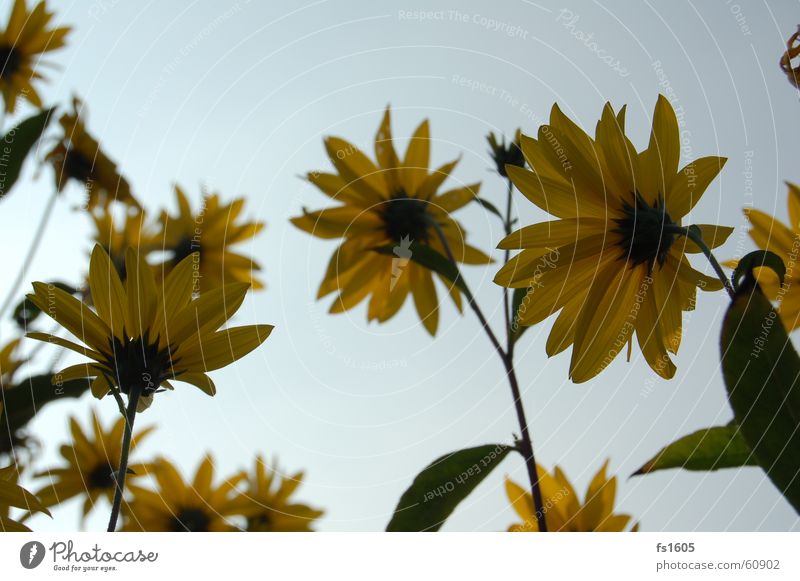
x=506 y=307
x=130 y=417
x=37 y=239
x=525 y=445
x=694 y=234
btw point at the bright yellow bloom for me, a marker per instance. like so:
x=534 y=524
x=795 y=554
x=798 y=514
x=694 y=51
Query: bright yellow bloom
x=562 y=508
x=115 y=238
x=9 y=363
x=390 y=202
x=178 y=506
x=211 y=232
x=78 y=156
x=13 y=495
x=771 y=234
x=607 y=264
x=26 y=36
x=265 y=502
x=143 y=334
x=92 y=461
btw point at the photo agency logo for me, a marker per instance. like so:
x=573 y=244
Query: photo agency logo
x=67 y=557
x=31 y=554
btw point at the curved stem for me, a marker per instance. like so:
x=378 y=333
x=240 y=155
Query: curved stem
x=506 y=306
x=694 y=234
x=37 y=239
x=130 y=417
x=525 y=445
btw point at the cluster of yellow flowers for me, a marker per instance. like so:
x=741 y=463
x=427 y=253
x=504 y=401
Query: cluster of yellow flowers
x=611 y=266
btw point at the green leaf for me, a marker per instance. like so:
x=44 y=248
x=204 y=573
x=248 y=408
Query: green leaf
x=761 y=370
x=707 y=449
x=517 y=301
x=437 y=490
x=26 y=399
x=755 y=259
x=491 y=207
x=26 y=312
x=16 y=145
x=426 y=256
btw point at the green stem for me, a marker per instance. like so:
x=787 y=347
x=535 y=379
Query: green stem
x=130 y=417
x=525 y=445
x=694 y=234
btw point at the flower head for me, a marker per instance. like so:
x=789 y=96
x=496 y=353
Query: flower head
x=26 y=36
x=142 y=334
x=180 y=506
x=771 y=234
x=506 y=154
x=117 y=236
x=388 y=202
x=78 y=156
x=92 y=460
x=211 y=232
x=562 y=508
x=266 y=504
x=611 y=263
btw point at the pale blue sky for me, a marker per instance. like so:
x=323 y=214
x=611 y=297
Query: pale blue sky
x=239 y=99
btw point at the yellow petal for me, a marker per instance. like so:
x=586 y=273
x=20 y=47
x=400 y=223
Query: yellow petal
x=223 y=348
x=142 y=294
x=690 y=184
x=553 y=234
x=356 y=169
x=200 y=380
x=71 y=314
x=108 y=295
x=417 y=159
x=713 y=236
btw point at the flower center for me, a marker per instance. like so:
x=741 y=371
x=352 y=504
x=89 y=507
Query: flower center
x=261 y=523
x=78 y=166
x=101 y=477
x=138 y=362
x=190 y=520
x=10 y=62
x=642 y=230
x=405 y=217
x=185 y=247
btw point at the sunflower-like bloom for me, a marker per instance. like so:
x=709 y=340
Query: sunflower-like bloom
x=116 y=236
x=562 y=508
x=142 y=334
x=92 y=461
x=26 y=36
x=390 y=202
x=78 y=156
x=265 y=502
x=771 y=234
x=178 y=506
x=9 y=363
x=14 y=496
x=612 y=263
x=210 y=232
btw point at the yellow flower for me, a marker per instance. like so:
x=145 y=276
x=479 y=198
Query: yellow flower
x=78 y=156
x=25 y=37
x=563 y=509
x=266 y=505
x=608 y=264
x=143 y=334
x=178 y=506
x=116 y=238
x=92 y=461
x=770 y=234
x=9 y=363
x=13 y=495
x=211 y=232
x=388 y=202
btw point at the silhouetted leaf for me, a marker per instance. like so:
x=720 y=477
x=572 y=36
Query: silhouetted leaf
x=761 y=371
x=707 y=449
x=756 y=259
x=15 y=146
x=437 y=490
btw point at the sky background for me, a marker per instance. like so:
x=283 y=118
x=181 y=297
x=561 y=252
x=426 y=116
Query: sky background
x=238 y=98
